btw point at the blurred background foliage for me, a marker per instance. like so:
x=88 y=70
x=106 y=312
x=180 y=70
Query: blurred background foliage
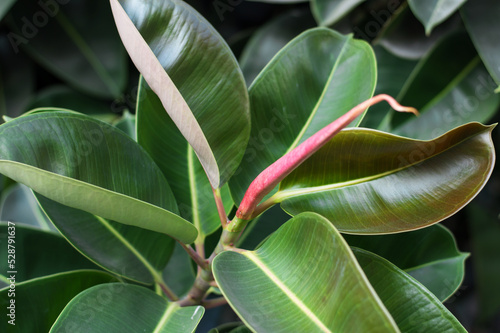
x=442 y=59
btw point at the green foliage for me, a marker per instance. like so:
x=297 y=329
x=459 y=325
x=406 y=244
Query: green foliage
x=133 y=221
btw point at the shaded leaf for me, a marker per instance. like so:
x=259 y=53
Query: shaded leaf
x=38 y=302
x=179 y=164
x=134 y=309
x=291 y=101
x=18 y=204
x=328 y=12
x=5 y=7
x=179 y=274
x=204 y=91
x=300 y=279
x=62 y=153
x=39 y=253
x=392 y=73
x=433 y=12
x=98 y=63
x=127 y=124
x=485 y=233
x=370 y=182
x=135 y=253
x=480 y=17
x=412 y=306
x=405 y=36
x=430 y=255
x=17 y=80
x=270 y=38
x=67 y=98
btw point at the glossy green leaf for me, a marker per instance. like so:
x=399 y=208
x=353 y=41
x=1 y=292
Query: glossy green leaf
x=430 y=255
x=179 y=164
x=18 y=204
x=433 y=12
x=328 y=12
x=116 y=307
x=371 y=182
x=5 y=6
x=67 y=98
x=480 y=17
x=317 y=77
x=135 y=253
x=38 y=302
x=413 y=307
x=17 y=80
x=196 y=76
x=38 y=253
x=485 y=232
x=98 y=63
x=106 y=172
x=271 y=38
x=302 y=279
x=462 y=93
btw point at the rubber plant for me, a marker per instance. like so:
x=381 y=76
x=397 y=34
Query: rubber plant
x=360 y=250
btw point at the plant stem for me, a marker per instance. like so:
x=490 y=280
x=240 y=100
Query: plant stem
x=213 y=303
x=276 y=172
x=201 y=262
x=220 y=207
x=167 y=291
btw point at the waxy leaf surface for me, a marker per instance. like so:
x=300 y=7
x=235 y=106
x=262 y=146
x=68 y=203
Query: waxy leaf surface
x=413 y=307
x=314 y=79
x=370 y=182
x=196 y=76
x=430 y=255
x=304 y=278
x=117 y=307
x=86 y=164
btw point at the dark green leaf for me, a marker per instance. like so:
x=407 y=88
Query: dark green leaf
x=433 y=12
x=370 y=182
x=98 y=63
x=38 y=253
x=480 y=17
x=18 y=204
x=38 y=302
x=328 y=12
x=300 y=280
x=17 y=80
x=430 y=255
x=128 y=251
x=270 y=38
x=116 y=307
x=5 y=7
x=67 y=98
x=413 y=307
